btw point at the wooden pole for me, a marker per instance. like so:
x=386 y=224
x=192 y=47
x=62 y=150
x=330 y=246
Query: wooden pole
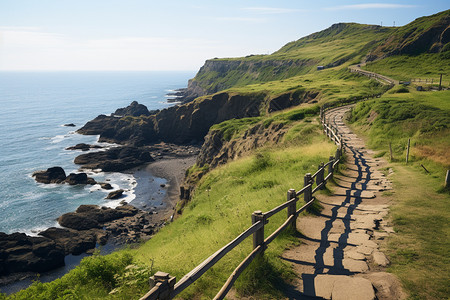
x=440 y=82
x=319 y=177
x=308 y=192
x=258 y=236
x=390 y=151
x=330 y=166
x=447 y=179
x=407 y=150
x=291 y=209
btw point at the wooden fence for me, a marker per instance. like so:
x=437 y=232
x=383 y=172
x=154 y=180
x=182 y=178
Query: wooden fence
x=163 y=286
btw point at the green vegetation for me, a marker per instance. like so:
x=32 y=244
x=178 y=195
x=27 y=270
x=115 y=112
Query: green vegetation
x=419 y=252
x=405 y=68
x=424 y=117
x=340 y=44
x=332 y=85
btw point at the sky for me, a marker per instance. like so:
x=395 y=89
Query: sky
x=138 y=35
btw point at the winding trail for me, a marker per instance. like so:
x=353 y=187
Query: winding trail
x=339 y=256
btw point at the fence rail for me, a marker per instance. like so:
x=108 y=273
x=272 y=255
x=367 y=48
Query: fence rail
x=162 y=285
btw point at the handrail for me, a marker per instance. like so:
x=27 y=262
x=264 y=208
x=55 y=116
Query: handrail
x=213 y=259
x=257 y=229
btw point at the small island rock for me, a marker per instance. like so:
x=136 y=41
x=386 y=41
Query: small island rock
x=115 y=194
x=51 y=175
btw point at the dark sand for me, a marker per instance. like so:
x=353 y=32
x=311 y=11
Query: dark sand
x=158 y=185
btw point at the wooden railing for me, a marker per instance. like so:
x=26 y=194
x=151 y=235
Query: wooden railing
x=163 y=286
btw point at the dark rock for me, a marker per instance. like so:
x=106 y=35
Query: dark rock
x=115 y=194
x=83 y=147
x=134 y=109
x=22 y=253
x=106 y=186
x=77 y=221
x=51 y=175
x=179 y=124
x=70 y=125
x=115 y=159
x=72 y=241
x=79 y=178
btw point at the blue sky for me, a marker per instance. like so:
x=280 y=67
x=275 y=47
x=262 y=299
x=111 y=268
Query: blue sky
x=173 y=34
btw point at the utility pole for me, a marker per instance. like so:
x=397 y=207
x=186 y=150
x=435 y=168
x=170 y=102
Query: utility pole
x=440 y=83
x=394 y=23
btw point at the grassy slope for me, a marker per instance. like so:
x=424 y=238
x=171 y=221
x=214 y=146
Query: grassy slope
x=405 y=68
x=419 y=252
x=341 y=43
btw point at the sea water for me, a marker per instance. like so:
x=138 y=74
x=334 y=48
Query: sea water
x=34 y=107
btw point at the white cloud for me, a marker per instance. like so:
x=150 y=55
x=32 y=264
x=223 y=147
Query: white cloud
x=32 y=49
x=241 y=19
x=370 y=6
x=271 y=10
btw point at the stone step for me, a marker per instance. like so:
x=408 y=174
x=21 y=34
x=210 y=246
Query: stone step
x=339 y=287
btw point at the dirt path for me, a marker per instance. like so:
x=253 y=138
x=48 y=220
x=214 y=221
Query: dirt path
x=339 y=256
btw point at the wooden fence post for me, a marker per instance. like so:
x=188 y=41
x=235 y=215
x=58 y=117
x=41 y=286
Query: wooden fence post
x=319 y=176
x=407 y=150
x=330 y=167
x=292 y=208
x=390 y=151
x=308 y=192
x=258 y=236
x=447 y=179
x=338 y=154
x=166 y=285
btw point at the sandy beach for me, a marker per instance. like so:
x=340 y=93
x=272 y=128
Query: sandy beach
x=158 y=185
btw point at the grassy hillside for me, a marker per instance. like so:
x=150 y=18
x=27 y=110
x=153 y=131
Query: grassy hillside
x=406 y=67
x=339 y=44
x=419 y=251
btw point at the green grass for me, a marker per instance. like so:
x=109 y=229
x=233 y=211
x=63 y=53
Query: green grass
x=423 y=117
x=405 y=67
x=419 y=251
x=221 y=209
x=335 y=46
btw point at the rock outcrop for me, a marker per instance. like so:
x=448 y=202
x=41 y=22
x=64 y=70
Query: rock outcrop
x=51 y=175
x=134 y=109
x=217 y=151
x=58 y=175
x=22 y=253
x=91 y=216
x=181 y=124
x=116 y=159
x=84 y=147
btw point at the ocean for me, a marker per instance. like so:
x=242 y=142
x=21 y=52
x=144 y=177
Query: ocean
x=34 y=106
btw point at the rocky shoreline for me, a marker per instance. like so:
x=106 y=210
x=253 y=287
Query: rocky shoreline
x=90 y=226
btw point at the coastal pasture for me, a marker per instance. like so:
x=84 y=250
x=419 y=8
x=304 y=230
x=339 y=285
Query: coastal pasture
x=405 y=67
x=420 y=211
x=220 y=210
x=423 y=117
x=331 y=84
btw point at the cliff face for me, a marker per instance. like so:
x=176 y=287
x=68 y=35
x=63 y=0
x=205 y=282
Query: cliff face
x=179 y=124
x=217 y=151
x=219 y=74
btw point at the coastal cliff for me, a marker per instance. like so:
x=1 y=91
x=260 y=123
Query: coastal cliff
x=182 y=124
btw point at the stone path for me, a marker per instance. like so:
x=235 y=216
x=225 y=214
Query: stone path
x=339 y=256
